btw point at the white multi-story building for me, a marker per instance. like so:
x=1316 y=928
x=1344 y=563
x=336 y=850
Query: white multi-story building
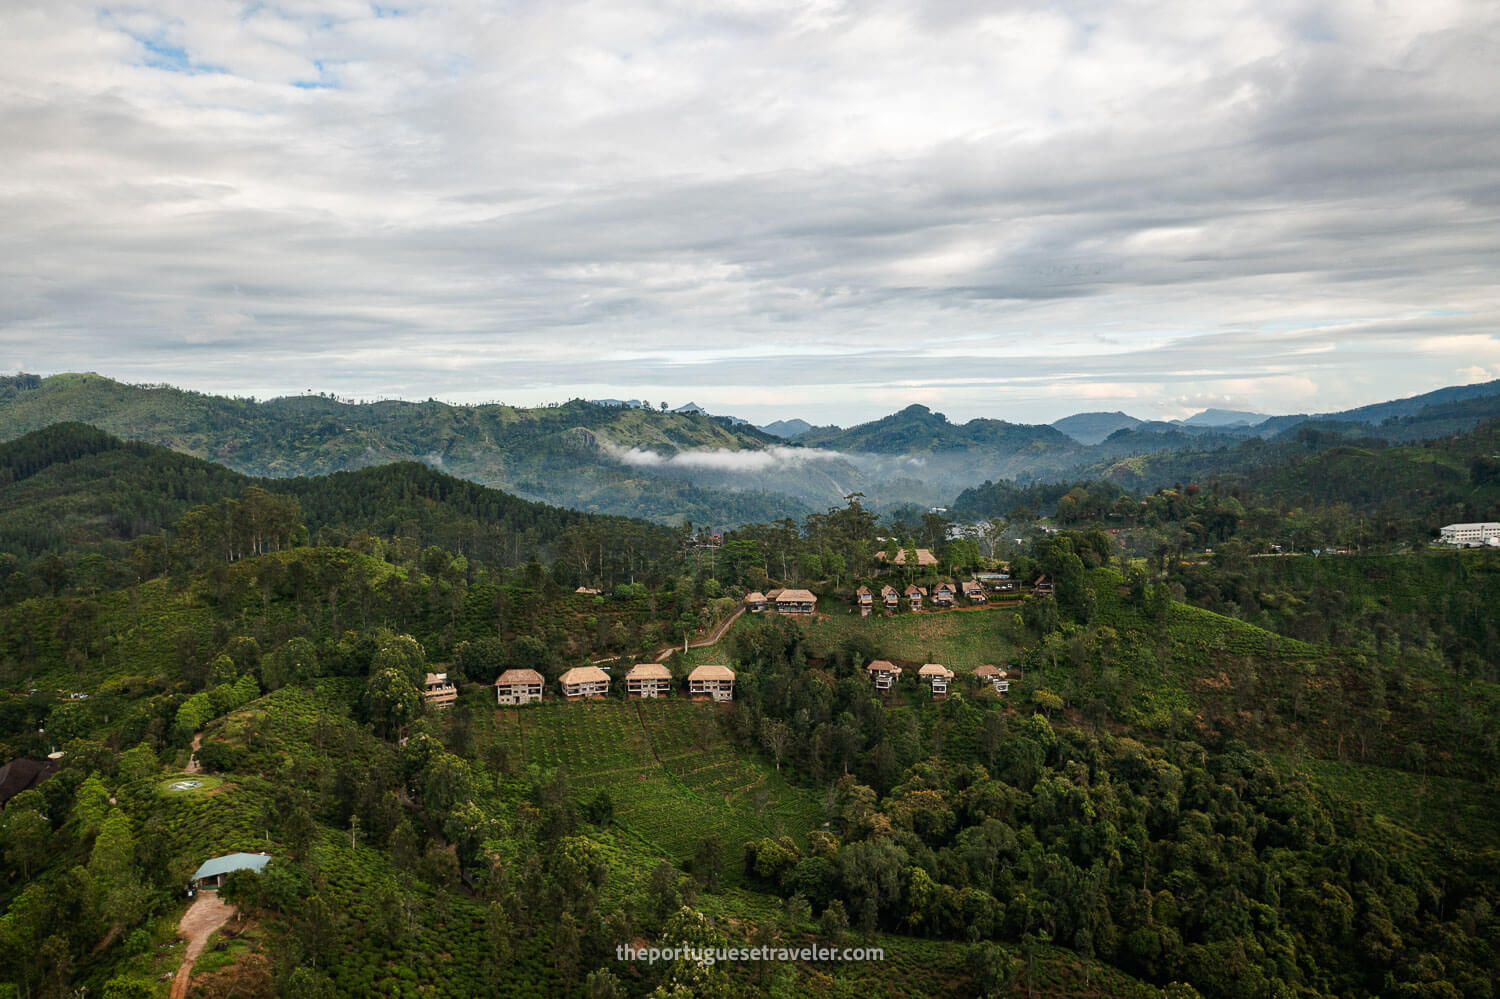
x=1470 y=535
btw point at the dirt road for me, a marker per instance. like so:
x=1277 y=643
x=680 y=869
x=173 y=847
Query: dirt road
x=206 y=914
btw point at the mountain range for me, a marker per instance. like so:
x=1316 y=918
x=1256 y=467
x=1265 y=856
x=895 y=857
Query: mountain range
x=674 y=466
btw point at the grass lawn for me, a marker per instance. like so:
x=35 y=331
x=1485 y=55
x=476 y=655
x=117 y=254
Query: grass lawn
x=959 y=639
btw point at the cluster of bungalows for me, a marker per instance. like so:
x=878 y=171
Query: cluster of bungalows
x=643 y=681
x=974 y=591
x=796 y=603
x=886 y=675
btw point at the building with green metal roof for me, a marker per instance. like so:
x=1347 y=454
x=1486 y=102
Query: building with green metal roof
x=210 y=873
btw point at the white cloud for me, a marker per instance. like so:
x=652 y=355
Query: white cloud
x=725 y=460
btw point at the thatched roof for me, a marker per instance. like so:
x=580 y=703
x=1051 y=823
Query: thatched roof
x=584 y=674
x=648 y=671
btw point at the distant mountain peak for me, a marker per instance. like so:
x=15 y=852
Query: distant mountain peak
x=786 y=429
x=1091 y=428
x=1224 y=418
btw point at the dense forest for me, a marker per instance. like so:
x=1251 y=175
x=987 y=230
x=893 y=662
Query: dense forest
x=1238 y=774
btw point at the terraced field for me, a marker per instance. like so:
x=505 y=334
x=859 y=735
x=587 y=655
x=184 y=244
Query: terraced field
x=671 y=774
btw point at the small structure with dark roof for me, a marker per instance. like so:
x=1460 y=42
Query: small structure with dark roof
x=974 y=592
x=1043 y=586
x=519 y=686
x=648 y=680
x=713 y=681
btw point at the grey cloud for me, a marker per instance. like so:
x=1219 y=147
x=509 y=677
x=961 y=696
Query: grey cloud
x=863 y=192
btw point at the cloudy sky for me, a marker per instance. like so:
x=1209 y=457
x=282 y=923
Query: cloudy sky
x=820 y=209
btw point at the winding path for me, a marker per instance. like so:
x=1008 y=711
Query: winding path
x=207 y=913
x=702 y=643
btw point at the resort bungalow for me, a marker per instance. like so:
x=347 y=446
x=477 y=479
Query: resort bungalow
x=937 y=676
x=584 y=681
x=210 y=873
x=438 y=692
x=1043 y=586
x=648 y=680
x=716 y=682
x=519 y=686
x=756 y=602
x=799 y=603
x=864 y=600
x=943 y=594
x=995 y=676
x=891 y=596
x=974 y=592
x=914 y=595
x=883 y=674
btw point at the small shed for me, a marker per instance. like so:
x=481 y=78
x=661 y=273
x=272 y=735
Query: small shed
x=210 y=873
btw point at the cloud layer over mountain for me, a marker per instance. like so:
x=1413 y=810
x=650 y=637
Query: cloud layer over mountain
x=831 y=209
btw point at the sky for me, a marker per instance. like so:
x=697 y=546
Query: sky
x=821 y=209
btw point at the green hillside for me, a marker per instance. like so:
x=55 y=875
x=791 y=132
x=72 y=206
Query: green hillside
x=1211 y=776
x=566 y=455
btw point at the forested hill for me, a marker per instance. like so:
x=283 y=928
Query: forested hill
x=917 y=430
x=72 y=487
x=566 y=455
